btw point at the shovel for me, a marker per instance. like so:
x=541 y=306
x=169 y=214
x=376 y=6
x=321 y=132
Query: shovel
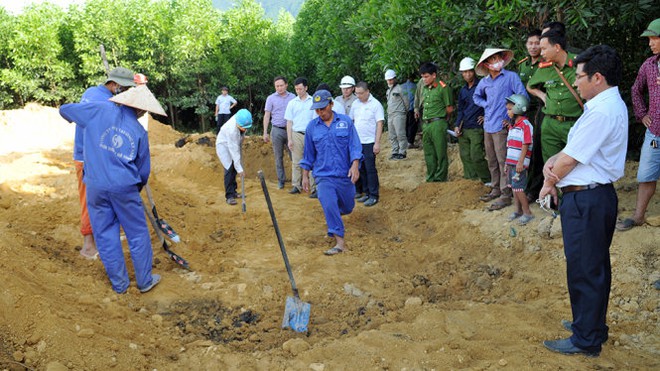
x=296 y=311
x=162 y=224
x=243 y=206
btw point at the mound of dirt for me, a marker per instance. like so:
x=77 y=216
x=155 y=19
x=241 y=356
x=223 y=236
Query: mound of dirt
x=430 y=281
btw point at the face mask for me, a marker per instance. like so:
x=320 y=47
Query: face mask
x=497 y=66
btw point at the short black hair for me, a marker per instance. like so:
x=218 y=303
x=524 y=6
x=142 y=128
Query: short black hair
x=555 y=37
x=280 y=77
x=428 y=67
x=362 y=85
x=602 y=59
x=323 y=86
x=535 y=32
x=555 y=26
x=300 y=80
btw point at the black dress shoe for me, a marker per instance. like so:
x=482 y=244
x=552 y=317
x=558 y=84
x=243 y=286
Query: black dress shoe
x=314 y=195
x=402 y=156
x=294 y=190
x=565 y=346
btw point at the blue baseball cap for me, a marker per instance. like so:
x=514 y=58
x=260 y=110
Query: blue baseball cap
x=321 y=99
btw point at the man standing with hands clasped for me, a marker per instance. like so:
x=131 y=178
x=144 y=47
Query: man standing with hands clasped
x=584 y=170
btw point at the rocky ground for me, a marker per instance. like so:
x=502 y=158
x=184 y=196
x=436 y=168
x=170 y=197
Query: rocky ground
x=431 y=280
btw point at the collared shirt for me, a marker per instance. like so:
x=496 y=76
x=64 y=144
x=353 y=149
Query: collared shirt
x=409 y=89
x=347 y=103
x=115 y=143
x=366 y=116
x=299 y=112
x=598 y=141
x=330 y=150
x=520 y=134
x=224 y=102
x=526 y=69
x=418 y=99
x=491 y=95
x=397 y=100
x=276 y=105
x=435 y=100
x=468 y=112
x=93 y=94
x=646 y=79
x=228 y=145
x=559 y=99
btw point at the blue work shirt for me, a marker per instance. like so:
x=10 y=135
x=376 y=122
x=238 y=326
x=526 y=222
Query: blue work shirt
x=330 y=150
x=468 y=112
x=95 y=93
x=409 y=88
x=491 y=95
x=116 y=146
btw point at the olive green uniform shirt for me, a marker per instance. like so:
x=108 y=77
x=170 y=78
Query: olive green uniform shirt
x=559 y=100
x=436 y=98
x=526 y=69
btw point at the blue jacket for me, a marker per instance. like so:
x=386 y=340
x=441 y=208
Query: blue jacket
x=95 y=93
x=330 y=151
x=116 y=146
x=468 y=112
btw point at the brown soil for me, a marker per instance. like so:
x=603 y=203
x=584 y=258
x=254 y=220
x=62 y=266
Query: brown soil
x=431 y=280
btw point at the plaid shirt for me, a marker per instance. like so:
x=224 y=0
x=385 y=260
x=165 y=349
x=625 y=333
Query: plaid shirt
x=646 y=78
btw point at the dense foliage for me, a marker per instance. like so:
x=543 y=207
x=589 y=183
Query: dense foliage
x=189 y=49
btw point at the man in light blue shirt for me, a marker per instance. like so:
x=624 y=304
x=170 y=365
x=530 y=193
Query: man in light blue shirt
x=297 y=115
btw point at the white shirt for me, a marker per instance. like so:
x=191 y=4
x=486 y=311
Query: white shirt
x=365 y=117
x=299 y=112
x=228 y=145
x=598 y=141
x=224 y=102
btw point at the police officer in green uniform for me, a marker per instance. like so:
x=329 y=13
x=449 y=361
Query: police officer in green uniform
x=526 y=68
x=437 y=104
x=562 y=108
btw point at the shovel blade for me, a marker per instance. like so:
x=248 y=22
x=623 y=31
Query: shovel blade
x=296 y=314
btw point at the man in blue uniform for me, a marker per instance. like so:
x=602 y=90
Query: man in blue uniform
x=333 y=151
x=117 y=166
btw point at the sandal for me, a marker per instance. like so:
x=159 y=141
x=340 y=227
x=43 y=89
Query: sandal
x=627 y=224
x=498 y=205
x=333 y=251
x=525 y=219
x=488 y=197
x=514 y=216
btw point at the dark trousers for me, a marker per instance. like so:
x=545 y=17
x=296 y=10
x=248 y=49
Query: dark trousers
x=368 y=171
x=587 y=221
x=535 y=182
x=222 y=118
x=412 y=126
x=230 y=182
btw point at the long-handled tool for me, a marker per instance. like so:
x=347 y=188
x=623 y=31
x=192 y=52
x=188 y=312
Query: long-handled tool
x=296 y=312
x=162 y=224
x=243 y=206
x=154 y=223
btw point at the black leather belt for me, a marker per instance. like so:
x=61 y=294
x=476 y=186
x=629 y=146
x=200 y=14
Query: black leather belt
x=428 y=121
x=563 y=118
x=280 y=127
x=578 y=188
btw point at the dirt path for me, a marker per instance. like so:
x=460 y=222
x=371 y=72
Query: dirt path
x=431 y=280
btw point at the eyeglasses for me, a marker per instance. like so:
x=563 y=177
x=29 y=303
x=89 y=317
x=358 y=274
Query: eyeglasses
x=580 y=75
x=544 y=203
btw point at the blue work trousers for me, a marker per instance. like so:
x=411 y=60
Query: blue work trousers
x=337 y=198
x=587 y=220
x=109 y=210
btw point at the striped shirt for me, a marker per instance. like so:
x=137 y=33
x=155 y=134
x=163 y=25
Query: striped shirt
x=520 y=134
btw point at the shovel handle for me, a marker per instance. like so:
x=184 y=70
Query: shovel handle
x=260 y=174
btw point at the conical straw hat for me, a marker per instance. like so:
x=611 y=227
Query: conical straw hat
x=481 y=70
x=140 y=97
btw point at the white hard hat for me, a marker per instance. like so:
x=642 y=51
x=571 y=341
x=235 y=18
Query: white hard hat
x=347 y=82
x=466 y=64
x=390 y=74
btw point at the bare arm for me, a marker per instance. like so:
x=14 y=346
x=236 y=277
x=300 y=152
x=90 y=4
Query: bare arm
x=379 y=132
x=265 y=124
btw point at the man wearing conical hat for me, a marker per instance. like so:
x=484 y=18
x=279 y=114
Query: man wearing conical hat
x=491 y=93
x=119 y=79
x=117 y=166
